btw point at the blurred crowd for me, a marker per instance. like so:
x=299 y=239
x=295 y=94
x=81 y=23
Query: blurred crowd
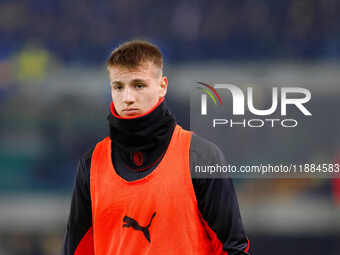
x=86 y=31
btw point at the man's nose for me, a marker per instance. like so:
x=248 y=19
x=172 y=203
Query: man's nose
x=128 y=96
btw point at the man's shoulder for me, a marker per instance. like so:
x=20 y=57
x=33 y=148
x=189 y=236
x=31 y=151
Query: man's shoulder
x=87 y=155
x=204 y=151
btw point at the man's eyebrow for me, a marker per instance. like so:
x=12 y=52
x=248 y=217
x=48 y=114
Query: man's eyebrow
x=138 y=80
x=116 y=82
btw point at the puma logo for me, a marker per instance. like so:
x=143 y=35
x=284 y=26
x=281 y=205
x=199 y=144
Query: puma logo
x=130 y=222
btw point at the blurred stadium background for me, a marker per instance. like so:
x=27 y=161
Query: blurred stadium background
x=54 y=98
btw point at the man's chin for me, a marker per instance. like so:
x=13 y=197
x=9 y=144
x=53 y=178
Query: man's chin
x=131 y=113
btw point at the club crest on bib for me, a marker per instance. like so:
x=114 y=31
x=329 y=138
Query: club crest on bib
x=138 y=158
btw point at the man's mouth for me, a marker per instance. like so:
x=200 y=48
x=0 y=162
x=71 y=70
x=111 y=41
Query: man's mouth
x=131 y=111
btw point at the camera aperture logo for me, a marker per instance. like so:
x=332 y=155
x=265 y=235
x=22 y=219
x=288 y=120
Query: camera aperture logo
x=239 y=104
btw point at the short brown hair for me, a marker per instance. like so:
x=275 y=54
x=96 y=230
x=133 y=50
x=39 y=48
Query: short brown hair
x=131 y=54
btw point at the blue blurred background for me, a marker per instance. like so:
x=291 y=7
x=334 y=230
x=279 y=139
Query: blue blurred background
x=54 y=99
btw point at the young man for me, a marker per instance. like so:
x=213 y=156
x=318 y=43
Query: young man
x=133 y=192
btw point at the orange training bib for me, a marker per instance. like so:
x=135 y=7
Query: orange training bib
x=157 y=214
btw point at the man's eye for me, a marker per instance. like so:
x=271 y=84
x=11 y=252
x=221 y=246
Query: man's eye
x=118 y=87
x=140 y=85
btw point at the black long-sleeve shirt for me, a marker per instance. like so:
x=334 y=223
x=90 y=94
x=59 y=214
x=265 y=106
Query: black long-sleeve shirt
x=216 y=199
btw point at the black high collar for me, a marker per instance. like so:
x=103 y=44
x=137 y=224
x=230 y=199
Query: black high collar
x=147 y=136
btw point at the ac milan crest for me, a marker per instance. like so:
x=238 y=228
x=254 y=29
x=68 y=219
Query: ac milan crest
x=138 y=158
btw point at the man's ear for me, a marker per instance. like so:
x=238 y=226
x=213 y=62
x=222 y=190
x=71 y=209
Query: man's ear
x=164 y=85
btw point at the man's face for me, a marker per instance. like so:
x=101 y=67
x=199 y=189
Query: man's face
x=136 y=91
